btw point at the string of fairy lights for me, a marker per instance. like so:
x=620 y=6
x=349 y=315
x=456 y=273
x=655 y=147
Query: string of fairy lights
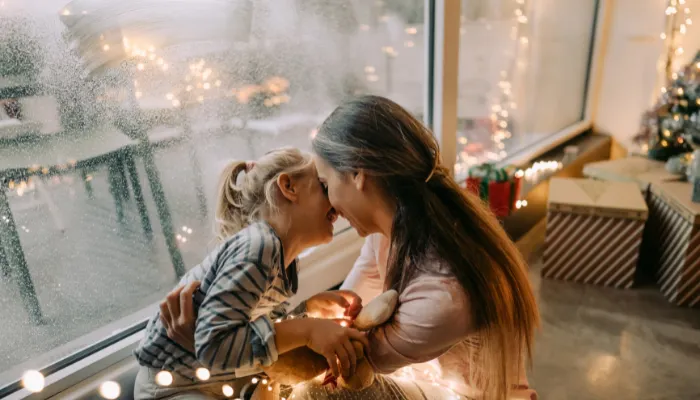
x=677 y=20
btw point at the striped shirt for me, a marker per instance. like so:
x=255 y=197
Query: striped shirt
x=244 y=288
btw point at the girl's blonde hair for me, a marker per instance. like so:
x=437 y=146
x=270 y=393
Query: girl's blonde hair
x=257 y=194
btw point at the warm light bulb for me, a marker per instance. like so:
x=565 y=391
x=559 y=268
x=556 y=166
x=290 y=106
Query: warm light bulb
x=33 y=381
x=200 y=99
x=227 y=390
x=169 y=96
x=110 y=390
x=138 y=95
x=217 y=83
x=344 y=324
x=140 y=66
x=264 y=381
x=105 y=47
x=189 y=88
x=66 y=12
x=682 y=29
x=203 y=374
x=207 y=86
x=254 y=380
x=164 y=378
x=411 y=31
x=269 y=388
x=663 y=36
x=151 y=57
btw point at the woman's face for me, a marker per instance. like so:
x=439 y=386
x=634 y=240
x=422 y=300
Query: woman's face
x=347 y=194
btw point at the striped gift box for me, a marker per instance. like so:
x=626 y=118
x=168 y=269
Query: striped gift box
x=594 y=232
x=676 y=236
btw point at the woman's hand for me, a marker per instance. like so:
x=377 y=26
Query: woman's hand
x=331 y=340
x=334 y=304
x=177 y=314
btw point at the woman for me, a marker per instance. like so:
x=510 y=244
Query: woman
x=465 y=298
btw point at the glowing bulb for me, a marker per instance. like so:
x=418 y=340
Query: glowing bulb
x=254 y=380
x=689 y=21
x=682 y=29
x=203 y=374
x=140 y=66
x=411 y=31
x=264 y=381
x=369 y=69
x=227 y=390
x=164 y=378
x=217 y=83
x=207 y=86
x=151 y=57
x=66 y=12
x=269 y=388
x=110 y=390
x=344 y=324
x=105 y=47
x=33 y=381
x=679 y=51
x=200 y=99
x=138 y=95
x=663 y=36
x=189 y=88
x=523 y=40
x=169 y=96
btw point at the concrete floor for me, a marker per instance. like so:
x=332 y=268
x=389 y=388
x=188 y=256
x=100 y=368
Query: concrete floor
x=600 y=343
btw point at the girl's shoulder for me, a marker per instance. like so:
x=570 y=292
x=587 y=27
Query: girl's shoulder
x=257 y=243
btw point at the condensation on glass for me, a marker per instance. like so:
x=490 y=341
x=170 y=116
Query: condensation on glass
x=522 y=74
x=116 y=118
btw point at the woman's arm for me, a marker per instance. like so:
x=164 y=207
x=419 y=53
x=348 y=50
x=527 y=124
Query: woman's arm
x=364 y=278
x=433 y=315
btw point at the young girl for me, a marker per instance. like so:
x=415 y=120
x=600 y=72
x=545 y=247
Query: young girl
x=278 y=210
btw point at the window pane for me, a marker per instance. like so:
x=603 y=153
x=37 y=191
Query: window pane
x=117 y=117
x=522 y=74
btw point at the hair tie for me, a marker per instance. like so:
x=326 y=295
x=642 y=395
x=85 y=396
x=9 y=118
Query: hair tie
x=432 y=172
x=436 y=165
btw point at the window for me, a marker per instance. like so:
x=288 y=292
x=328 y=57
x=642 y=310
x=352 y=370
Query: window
x=116 y=121
x=523 y=74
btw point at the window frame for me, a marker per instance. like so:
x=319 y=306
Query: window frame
x=440 y=104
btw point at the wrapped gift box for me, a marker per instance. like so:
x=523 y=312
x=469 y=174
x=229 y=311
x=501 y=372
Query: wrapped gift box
x=674 y=234
x=639 y=170
x=594 y=231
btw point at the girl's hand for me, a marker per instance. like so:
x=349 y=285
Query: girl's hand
x=331 y=340
x=334 y=304
x=177 y=314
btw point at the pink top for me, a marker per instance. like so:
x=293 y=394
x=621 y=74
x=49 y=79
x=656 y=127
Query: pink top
x=431 y=321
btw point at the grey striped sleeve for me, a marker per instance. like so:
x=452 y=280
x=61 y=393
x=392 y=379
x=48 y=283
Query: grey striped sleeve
x=225 y=337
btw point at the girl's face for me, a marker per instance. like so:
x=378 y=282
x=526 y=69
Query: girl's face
x=314 y=213
x=347 y=193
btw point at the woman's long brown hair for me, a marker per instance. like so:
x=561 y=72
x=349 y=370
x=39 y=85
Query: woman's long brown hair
x=434 y=216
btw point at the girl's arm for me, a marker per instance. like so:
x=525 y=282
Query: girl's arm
x=225 y=336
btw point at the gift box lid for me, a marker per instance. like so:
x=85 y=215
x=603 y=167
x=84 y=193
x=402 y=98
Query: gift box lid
x=631 y=169
x=597 y=198
x=678 y=196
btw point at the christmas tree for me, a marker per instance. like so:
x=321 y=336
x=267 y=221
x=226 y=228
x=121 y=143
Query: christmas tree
x=672 y=127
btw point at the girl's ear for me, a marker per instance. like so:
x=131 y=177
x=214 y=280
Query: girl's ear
x=288 y=187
